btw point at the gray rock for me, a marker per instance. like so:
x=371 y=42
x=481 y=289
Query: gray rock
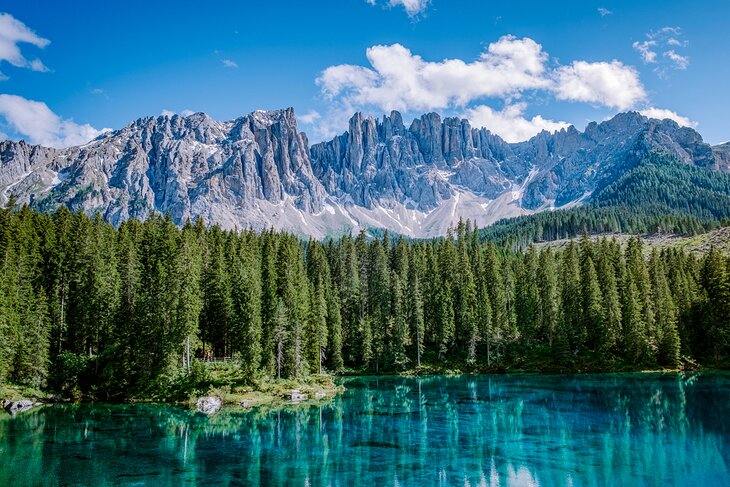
x=297 y=396
x=209 y=404
x=19 y=406
x=259 y=171
x=722 y=157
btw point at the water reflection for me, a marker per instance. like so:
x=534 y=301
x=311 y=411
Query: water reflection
x=465 y=431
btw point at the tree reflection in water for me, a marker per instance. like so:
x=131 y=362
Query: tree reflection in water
x=470 y=430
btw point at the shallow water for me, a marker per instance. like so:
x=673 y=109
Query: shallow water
x=628 y=430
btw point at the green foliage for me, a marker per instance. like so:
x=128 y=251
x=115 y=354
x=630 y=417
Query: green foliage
x=145 y=309
x=657 y=196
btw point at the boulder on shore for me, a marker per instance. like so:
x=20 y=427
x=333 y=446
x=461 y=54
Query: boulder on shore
x=297 y=396
x=19 y=406
x=209 y=404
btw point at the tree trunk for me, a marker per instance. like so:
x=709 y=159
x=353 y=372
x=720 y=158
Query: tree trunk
x=187 y=353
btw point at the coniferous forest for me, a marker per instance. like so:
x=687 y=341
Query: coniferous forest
x=117 y=312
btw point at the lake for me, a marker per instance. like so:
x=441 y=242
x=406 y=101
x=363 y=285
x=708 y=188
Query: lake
x=506 y=430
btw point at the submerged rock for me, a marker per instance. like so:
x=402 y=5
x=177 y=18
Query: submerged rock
x=20 y=406
x=209 y=404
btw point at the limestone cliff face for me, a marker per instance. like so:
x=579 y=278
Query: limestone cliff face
x=259 y=171
x=722 y=157
x=184 y=166
x=377 y=161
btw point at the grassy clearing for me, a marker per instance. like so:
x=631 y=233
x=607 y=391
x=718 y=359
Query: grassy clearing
x=697 y=244
x=225 y=381
x=12 y=392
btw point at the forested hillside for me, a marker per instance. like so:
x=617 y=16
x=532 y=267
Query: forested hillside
x=110 y=313
x=659 y=195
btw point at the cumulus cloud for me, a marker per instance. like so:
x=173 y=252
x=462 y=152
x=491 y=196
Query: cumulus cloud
x=509 y=70
x=662 y=113
x=611 y=84
x=401 y=80
x=667 y=41
x=510 y=123
x=12 y=33
x=229 y=64
x=36 y=122
x=412 y=7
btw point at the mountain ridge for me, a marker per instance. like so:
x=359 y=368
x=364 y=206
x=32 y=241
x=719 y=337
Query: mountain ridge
x=259 y=171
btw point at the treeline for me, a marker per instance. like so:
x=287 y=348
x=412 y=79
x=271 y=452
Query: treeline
x=119 y=312
x=657 y=196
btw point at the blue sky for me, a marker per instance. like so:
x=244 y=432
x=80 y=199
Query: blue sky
x=515 y=67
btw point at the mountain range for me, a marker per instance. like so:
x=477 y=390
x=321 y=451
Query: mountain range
x=260 y=171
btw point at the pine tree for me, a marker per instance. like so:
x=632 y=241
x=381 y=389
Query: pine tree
x=318 y=272
x=466 y=308
x=216 y=319
x=414 y=300
x=636 y=267
x=334 y=325
x=527 y=296
x=269 y=301
x=665 y=312
x=246 y=301
x=549 y=298
x=611 y=329
x=715 y=305
x=571 y=316
x=494 y=283
x=379 y=300
x=398 y=324
x=445 y=297
x=592 y=309
x=281 y=327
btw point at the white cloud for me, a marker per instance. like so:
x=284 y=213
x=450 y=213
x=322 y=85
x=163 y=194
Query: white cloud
x=412 y=7
x=645 y=51
x=12 y=33
x=662 y=113
x=680 y=62
x=229 y=64
x=668 y=41
x=34 y=120
x=508 y=69
x=309 y=117
x=611 y=84
x=604 y=11
x=401 y=80
x=510 y=123
x=676 y=42
x=184 y=113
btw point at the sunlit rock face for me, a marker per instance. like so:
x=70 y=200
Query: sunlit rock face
x=722 y=156
x=259 y=171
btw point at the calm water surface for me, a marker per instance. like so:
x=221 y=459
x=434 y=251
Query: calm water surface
x=635 y=430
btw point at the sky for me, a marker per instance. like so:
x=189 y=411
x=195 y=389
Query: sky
x=515 y=67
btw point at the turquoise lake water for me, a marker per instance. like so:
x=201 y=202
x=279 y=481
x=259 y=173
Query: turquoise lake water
x=524 y=430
